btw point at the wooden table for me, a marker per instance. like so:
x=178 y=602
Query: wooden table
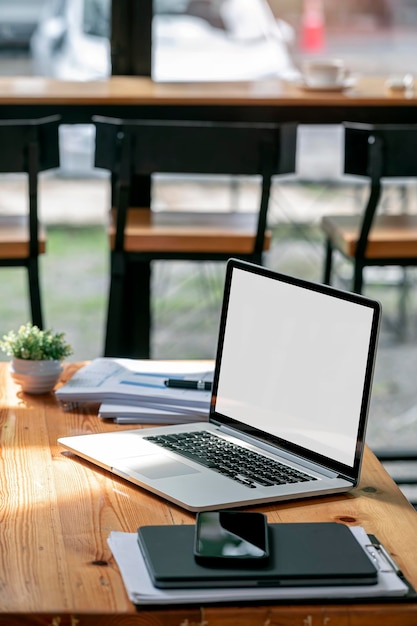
x=57 y=512
x=264 y=100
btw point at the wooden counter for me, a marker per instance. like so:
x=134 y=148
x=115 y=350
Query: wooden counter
x=136 y=90
x=368 y=100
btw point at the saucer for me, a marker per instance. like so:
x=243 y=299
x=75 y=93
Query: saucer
x=346 y=84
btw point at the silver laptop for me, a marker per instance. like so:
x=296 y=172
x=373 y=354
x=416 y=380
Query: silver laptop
x=290 y=398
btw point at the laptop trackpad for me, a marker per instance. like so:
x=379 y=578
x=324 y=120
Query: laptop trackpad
x=156 y=466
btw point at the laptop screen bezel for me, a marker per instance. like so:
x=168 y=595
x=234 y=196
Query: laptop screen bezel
x=351 y=473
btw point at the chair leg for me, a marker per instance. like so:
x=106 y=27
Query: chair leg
x=114 y=326
x=34 y=293
x=128 y=327
x=138 y=306
x=328 y=263
x=404 y=287
x=358 y=277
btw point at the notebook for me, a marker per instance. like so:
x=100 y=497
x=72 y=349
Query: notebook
x=291 y=389
x=302 y=554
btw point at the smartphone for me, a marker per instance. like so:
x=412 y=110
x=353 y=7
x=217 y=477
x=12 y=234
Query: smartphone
x=231 y=539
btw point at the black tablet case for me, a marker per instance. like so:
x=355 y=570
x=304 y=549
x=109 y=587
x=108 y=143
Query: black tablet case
x=323 y=553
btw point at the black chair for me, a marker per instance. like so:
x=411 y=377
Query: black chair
x=140 y=148
x=27 y=147
x=375 y=152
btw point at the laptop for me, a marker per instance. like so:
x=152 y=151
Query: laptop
x=290 y=399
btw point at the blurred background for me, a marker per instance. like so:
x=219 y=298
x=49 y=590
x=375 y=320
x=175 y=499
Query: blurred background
x=209 y=40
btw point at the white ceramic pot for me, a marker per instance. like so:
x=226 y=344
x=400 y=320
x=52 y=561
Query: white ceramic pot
x=35 y=376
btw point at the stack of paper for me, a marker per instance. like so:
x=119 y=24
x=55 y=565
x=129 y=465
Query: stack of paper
x=126 y=414
x=134 y=391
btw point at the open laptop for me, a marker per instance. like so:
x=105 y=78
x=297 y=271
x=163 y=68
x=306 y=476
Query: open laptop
x=291 y=390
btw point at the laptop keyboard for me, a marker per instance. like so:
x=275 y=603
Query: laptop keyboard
x=240 y=464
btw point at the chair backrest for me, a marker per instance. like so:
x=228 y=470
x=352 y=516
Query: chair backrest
x=130 y=148
x=381 y=150
x=378 y=151
x=195 y=147
x=30 y=146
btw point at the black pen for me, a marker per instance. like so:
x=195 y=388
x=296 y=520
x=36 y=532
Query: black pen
x=181 y=383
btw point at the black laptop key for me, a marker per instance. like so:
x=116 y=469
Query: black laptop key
x=198 y=458
x=229 y=459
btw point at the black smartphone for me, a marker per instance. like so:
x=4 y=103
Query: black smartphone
x=231 y=539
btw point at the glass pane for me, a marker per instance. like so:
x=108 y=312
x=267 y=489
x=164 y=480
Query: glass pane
x=200 y=40
x=96 y=18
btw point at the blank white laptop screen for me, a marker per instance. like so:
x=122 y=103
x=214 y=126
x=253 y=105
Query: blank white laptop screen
x=290 y=334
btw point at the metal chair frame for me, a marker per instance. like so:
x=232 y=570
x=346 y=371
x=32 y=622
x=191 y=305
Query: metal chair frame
x=29 y=147
x=135 y=149
x=376 y=152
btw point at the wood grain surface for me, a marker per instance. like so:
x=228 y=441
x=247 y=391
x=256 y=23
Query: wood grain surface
x=138 y=90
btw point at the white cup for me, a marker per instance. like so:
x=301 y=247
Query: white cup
x=324 y=73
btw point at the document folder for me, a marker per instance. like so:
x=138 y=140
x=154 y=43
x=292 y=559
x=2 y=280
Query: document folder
x=301 y=554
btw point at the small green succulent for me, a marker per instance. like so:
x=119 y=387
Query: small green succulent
x=33 y=344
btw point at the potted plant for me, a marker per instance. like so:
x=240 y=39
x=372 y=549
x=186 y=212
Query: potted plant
x=37 y=357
